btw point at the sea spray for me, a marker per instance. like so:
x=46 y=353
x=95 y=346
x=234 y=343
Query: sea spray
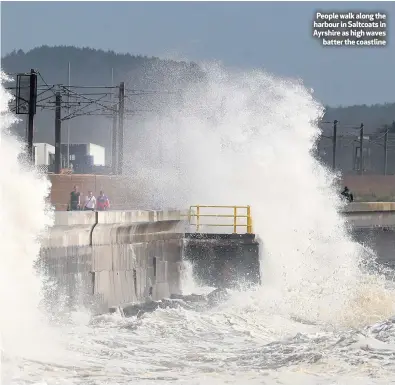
x=189 y=283
x=265 y=333
x=25 y=217
x=249 y=138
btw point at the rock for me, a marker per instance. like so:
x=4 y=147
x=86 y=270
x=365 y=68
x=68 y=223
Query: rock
x=216 y=296
x=191 y=302
x=189 y=298
x=134 y=310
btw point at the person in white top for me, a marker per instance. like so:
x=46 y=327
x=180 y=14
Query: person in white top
x=90 y=202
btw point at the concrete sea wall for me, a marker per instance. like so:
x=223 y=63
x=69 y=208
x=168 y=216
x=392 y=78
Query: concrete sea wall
x=104 y=259
x=223 y=260
x=370 y=214
x=108 y=259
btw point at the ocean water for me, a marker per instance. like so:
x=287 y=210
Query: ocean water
x=321 y=316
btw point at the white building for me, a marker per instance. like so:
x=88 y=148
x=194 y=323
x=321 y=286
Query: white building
x=82 y=156
x=44 y=154
x=85 y=154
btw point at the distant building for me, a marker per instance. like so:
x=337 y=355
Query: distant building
x=84 y=157
x=44 y=154
x=44 y=157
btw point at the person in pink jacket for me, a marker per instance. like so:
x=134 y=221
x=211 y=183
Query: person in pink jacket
x=102 y=202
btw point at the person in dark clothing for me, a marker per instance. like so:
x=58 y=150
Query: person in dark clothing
x=347 y=194
x=75 y=199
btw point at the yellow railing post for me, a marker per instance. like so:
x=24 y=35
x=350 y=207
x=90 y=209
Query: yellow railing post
x=236 y=214
x=234 y=219
x=197 y=217
x=249 y=224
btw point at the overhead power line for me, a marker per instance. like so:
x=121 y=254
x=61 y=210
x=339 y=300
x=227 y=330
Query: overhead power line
x=81 y=100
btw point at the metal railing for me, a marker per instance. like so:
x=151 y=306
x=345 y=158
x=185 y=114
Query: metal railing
x=196 y=212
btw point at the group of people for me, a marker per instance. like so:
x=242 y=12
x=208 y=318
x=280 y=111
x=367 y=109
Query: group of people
x=102 y=203
x=91 y=203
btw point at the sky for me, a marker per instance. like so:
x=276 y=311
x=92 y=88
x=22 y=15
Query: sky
x=274 y=36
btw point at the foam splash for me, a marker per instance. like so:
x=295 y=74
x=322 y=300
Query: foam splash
x=24 y=218
x=235 y=139
x=189 y=284
x=249 y=138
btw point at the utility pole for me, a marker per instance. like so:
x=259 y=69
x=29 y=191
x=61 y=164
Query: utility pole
x=121 y=113
x=334 y=139
x=114 y=143
x=58 y=134
x=361 y=150
x=68 y=112
x=32 y=111
x=385 y=150
x=114 y=165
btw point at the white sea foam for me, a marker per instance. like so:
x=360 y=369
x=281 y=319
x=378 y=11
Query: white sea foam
x=249 y=138
x=237 y=138
x=25 y=333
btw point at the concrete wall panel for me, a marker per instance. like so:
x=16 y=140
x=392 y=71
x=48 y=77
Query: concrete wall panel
x=161 y=290
x=64 y=236
x=90 y=258
x=371 y=214
x=371 y=187
x=123 y=192
x=102 y=257
x=134 y=233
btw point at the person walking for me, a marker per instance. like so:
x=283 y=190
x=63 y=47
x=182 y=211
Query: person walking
x=75 y=199
x=90 y=202
x=103 y=202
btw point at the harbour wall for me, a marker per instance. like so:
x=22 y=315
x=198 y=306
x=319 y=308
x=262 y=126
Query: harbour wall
x=369 y=215
x=104 y=259
x=373 y=224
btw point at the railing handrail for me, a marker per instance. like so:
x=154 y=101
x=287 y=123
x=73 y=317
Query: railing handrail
x=235 y=216
x=226 y=207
